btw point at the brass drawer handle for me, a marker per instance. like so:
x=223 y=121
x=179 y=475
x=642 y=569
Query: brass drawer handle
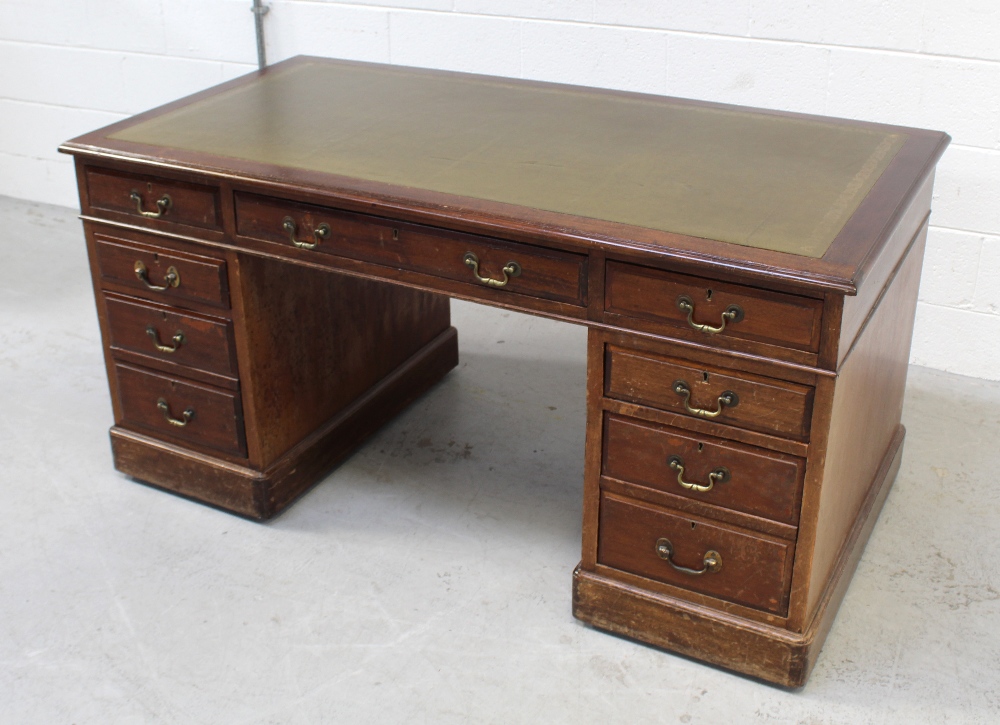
x=711 y=562
x=162 y=204
x=178 y=340
x=728 y=398
x=319 y=233
x=171 y=279
x=733 y=313
x=164 y=407
x=720 y=474
x=511 y=269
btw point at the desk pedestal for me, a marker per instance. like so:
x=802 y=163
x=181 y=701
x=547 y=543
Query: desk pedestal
x=248 y=390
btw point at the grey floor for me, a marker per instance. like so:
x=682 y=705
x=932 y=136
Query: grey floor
x=427 y=580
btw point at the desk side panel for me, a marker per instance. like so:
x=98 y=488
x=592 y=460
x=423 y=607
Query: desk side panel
x=865 y=413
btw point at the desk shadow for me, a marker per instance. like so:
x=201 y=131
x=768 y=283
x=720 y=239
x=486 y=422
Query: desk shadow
x=500 y=438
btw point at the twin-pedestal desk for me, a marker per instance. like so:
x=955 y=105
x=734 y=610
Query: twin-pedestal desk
x=273 y=260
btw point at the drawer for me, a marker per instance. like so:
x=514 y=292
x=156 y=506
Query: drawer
x=652 y=542
x=725 y=396
x=181 y=409
x=540 y=272
x=148 y=198
x=162 y=274
x=739 y=477
x=763 y=316
x=197 y=341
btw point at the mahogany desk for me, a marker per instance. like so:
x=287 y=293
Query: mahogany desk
x=272 y=261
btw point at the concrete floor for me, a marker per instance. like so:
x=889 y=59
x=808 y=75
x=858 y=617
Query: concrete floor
x=427 y=580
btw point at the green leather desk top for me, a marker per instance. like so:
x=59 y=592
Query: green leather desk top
x=745 y=177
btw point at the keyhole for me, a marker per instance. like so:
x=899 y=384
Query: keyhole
x=708 y=295
x=149 y=188
x=701 y=447
x=704 y=377
x=395 y=235
x=156 y=258
x=692 y=524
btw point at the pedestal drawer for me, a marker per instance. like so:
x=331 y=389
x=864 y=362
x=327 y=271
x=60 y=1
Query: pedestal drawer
x=516 y=268
x=710 y=470
x=185 y=338
x=183 y=410
x=708 y=392
x=161 y=273
x=695 y=304
x=151 y=199
x=695 y=554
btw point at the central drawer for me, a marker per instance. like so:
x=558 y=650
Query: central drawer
x=481 y=262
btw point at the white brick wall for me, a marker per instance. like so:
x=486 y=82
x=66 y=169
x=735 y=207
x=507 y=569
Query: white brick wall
x=69 y=66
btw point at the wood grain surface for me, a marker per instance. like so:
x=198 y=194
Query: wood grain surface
x=207 y=342
x=216 y=422
x=866 y=410
x=190 y=204
x=756 y=570
x=311 y=342
x=545 y=273
x=763 y=483
x=765 y=404
x=769 y=317
x=202 y=279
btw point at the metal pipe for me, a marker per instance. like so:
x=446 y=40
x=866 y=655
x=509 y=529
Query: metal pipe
x=259 y=10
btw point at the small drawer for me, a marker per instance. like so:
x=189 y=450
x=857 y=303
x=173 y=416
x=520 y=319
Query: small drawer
x=706 y=469
x=197 y=341
x=536 y=271
x=147 y=198
x=181 y=410
x=725 y=396
x=163 y=274
x=660 y=544
x=684 y=303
